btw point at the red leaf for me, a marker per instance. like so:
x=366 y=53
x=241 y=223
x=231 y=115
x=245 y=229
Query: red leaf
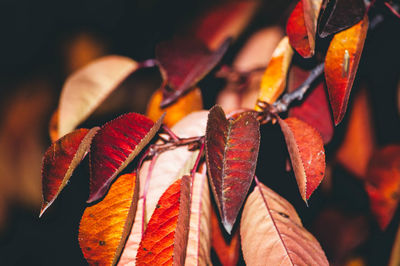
x=314 y=109
x=339 y=15
x=227 y=19
x=105 y=226
x=301 y=26
x=383 y=183
x=306 y=150
x=165 y=239
x=232 y=149
x=341 y=65
x=115 y=145
x=272 y=234
x=87 y=88
x=183 y=63
x=60 y=161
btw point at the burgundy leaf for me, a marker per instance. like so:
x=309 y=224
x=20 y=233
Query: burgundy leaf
x=60 y=161
x=232 y=149
x=115 y=145
x=307 y=154
x=183 y=63
x=338 y=15
x=314 y=109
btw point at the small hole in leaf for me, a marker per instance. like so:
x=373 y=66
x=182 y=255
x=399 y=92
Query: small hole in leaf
x=158 y=206
x=283 y=215
x=102 y=243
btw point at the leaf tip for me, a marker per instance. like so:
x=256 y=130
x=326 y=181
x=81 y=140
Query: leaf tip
x=228 y=226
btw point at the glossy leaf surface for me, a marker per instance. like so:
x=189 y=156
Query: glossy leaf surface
x=166 y=236
x=183 y=63
x=341 y=65
x=104 y=227
x=115 y=145
x=272 y=233
x=60 y=161
x=232 y=149
x=273 y=81
x=188 y=103
x=383 y=183
x=314 y=109
x=199 y=240
x=307 y=154
x=338 y=15
x=87 y=88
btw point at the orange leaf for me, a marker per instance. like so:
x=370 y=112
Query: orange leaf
x=306 y=150
x=87 y=88
x=273 y=81
x=226 y=247
x=301 y=26
x=199 y=239
x=165 y=239
x=358 y=144
x=105 y=226
x=395 y=255
x=272 y=233
x=53 y=126
x=60 y=161
x=341 y=65
x=228 y=19
x=190 y=102
x=383 y=183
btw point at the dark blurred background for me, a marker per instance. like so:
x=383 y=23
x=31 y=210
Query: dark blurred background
x=44 y=41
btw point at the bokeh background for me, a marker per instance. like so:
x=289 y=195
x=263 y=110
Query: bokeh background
x=43 y=41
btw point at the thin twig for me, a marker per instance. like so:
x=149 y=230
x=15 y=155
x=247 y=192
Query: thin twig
x=196 y=164
x=170 y=132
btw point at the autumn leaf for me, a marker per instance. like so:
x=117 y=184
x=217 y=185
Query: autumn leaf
x=169 y=166
x=227 y=249
x=60 y=161
x=314 y=108
x=359 y=141
x=273 y=81
x=225 y=20
x=232 y=149
x=395 y=255
x=199 y=239
x=183 y=63
x=383 y=183
x=166 y=236
x=341 y=65
x=306 y=150
x=115 y=145
x=189 y=102
x=104 y=227
x=302 y=25
x=339 y=15
x=272 y=233
x=53 y=126
x=87 y=88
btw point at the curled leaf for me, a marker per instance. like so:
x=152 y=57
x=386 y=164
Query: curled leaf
x=188 y=103
x=232 y=149
x=301 y=26
x=338 y=15
x=104 y=227
x=60 y=161
x=115 y=145
x=87 y=88
x=199 y=239
x=273 y=81
x=272 y=233
x=225 y=20
x=314 y=108
x=383 y=183
x=183 y=63
x=53 y=126
x=165 y=239
x=306 y=150
x=341 y=65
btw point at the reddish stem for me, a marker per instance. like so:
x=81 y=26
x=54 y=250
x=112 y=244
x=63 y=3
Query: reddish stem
x=196 y=164
x=170 y=133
